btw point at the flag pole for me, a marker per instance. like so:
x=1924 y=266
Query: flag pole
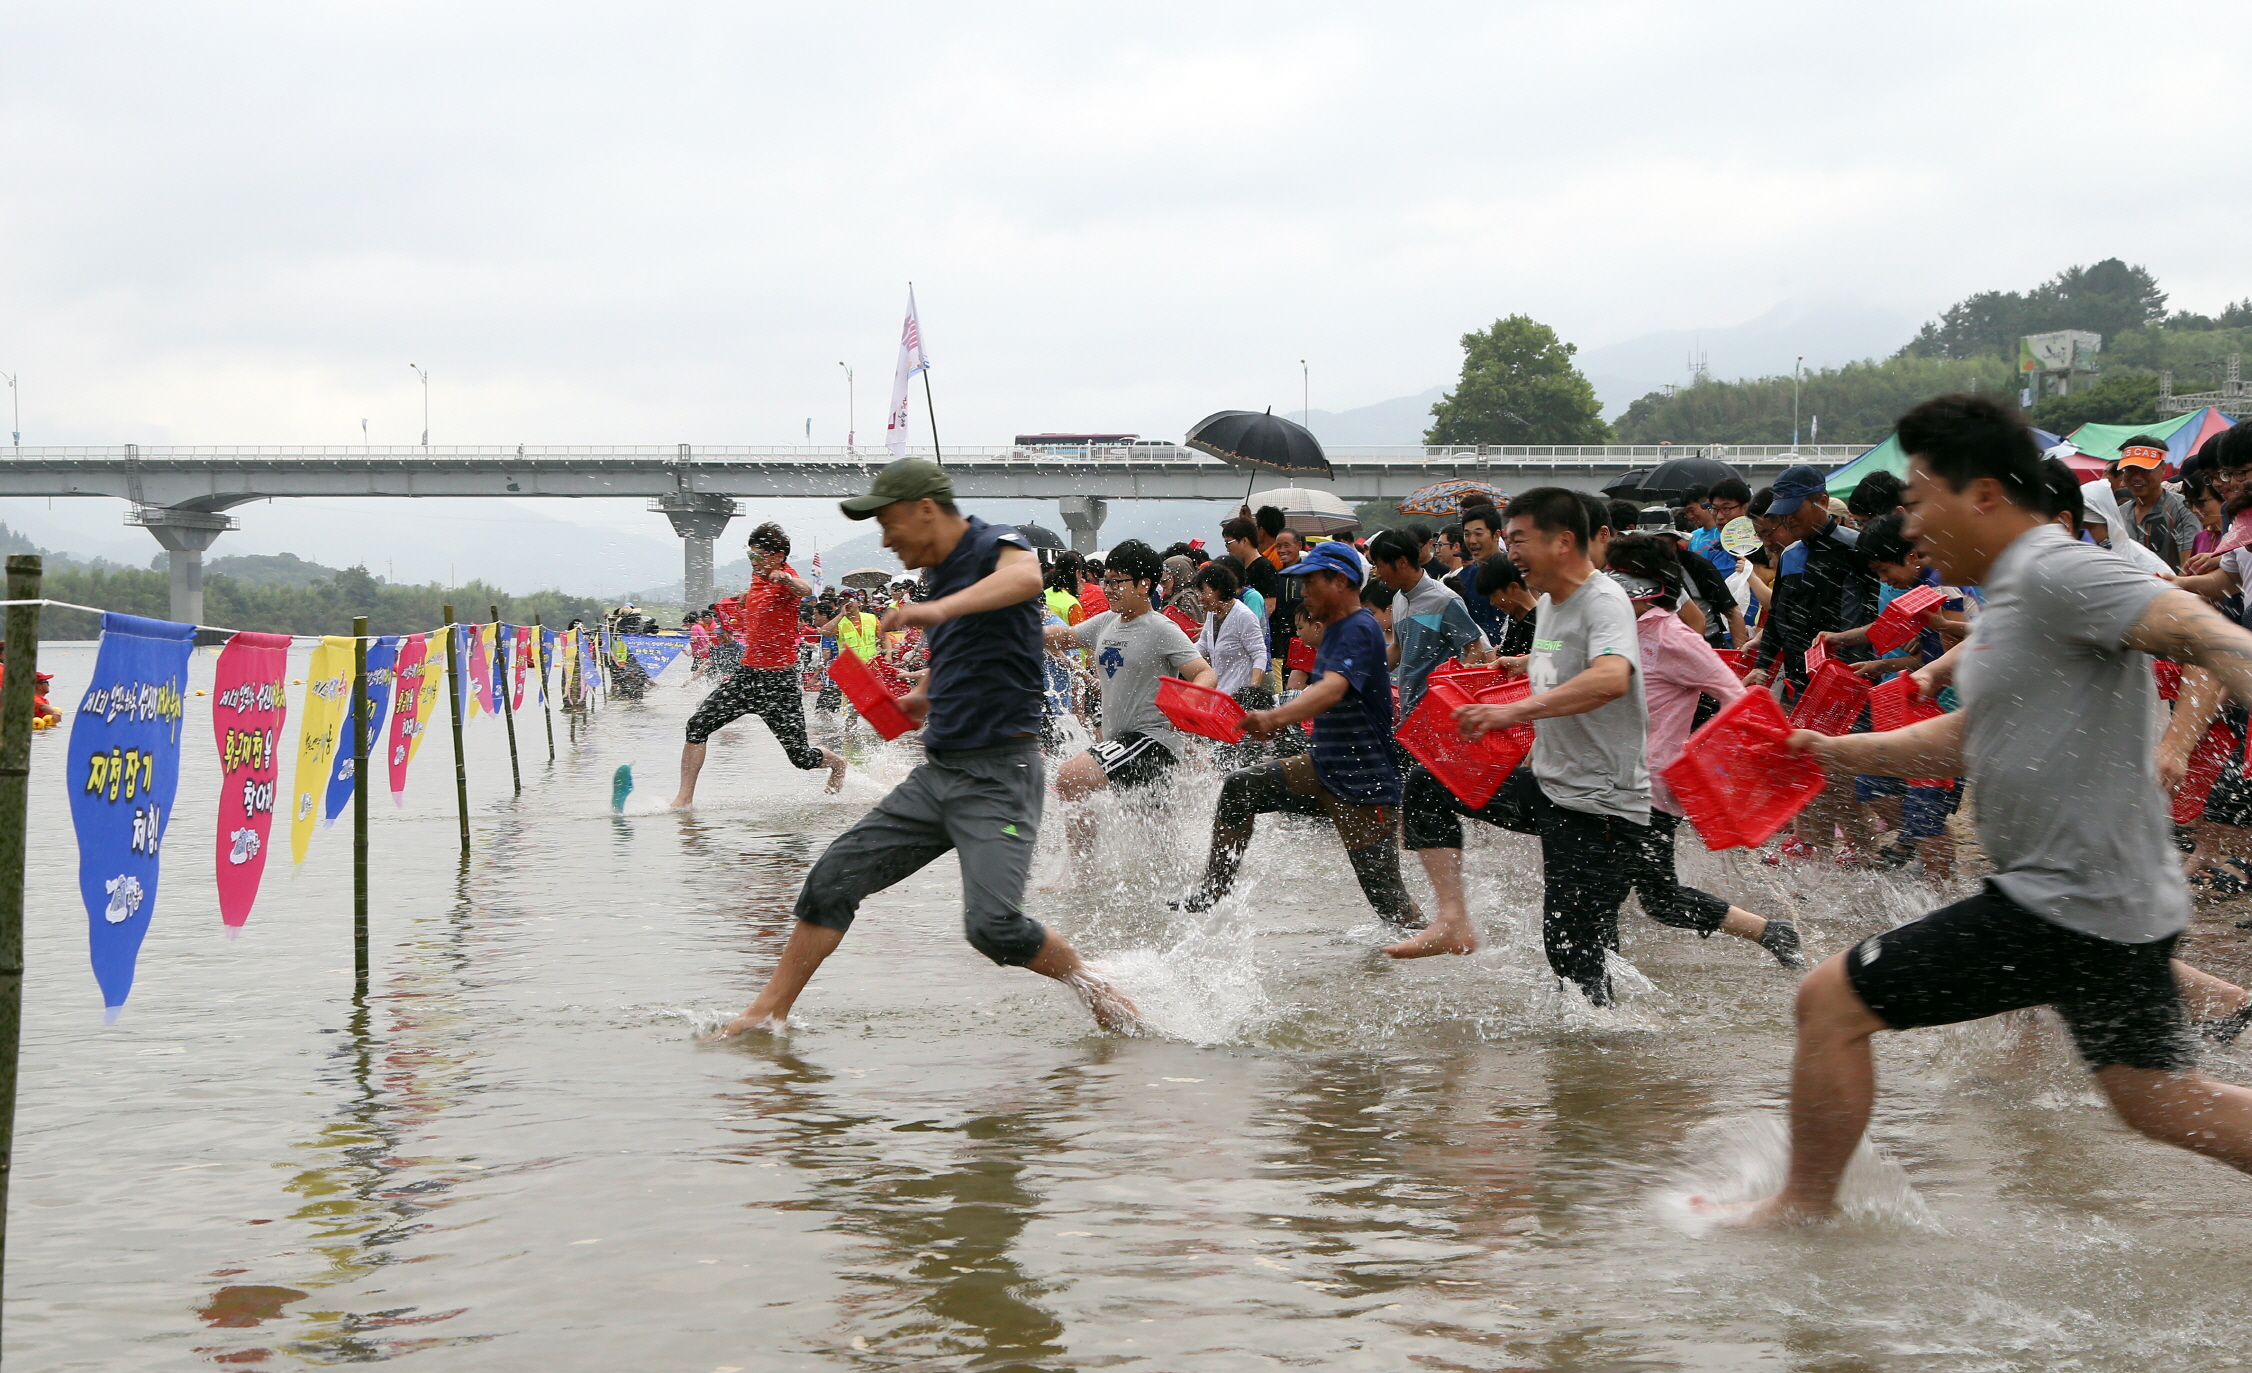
x=360 y=715
x=16 y=705
x=507 y=706
x=453 y=702
x=539 y=647
x=930 y=408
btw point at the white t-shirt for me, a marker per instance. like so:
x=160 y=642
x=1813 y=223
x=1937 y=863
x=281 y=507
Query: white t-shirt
x=1234 y=642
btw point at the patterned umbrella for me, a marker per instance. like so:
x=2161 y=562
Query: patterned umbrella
x=1445 y=498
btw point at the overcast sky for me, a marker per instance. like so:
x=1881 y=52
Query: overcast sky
x=655 y=224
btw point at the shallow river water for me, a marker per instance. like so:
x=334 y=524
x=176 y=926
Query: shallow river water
x=516 y=1155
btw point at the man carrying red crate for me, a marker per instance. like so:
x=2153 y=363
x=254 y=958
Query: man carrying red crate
x=1585 y=791
x=1348 y=774
x=2086 y=900
x=981 y=788
x=765 y=620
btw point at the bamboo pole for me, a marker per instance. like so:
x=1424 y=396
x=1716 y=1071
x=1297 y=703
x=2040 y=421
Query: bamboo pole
x=15 y=775
x=539 y=652
x=360 y=803
x=453 y=703
x=507 y=699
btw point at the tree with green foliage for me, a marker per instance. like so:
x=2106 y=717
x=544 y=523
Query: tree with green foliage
x=1857 y=403
x=1518 y=386
x=323 y=608
x=2109 y=298
x=2119 y=398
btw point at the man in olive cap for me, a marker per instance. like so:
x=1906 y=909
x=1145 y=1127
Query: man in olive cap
x=982 y=785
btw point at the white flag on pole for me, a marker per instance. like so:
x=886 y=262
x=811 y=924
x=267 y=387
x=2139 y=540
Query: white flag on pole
x=912 y=359
x=816 y=566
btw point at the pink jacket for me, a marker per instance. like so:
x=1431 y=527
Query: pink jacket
x=1677 y=665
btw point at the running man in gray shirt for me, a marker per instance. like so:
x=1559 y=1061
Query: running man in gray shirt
x=1586 y=790
x=2056 y=736
x=1132 y=647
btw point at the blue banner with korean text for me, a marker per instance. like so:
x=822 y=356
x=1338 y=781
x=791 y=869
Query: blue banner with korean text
x=655 y=652
x=124 y=765
x=383 y=657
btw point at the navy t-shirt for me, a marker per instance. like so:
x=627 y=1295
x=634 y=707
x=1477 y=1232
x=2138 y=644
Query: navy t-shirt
x=1353 y=739
x=985 y=684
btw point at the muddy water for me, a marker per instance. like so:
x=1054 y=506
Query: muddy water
x=514 y=1155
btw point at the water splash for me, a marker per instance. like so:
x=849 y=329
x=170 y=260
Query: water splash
x=1743 y=1160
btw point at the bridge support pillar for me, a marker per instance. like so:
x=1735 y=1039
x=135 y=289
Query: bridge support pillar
x=698 y=518
x=1083 y=516
x=184 y=534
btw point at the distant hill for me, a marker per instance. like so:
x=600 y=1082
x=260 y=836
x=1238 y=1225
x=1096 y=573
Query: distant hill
x=265 y=569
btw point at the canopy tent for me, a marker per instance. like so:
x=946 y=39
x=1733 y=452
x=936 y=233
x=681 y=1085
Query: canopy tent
x=2183 y=435
x=1885 y=457
x=1888 y=457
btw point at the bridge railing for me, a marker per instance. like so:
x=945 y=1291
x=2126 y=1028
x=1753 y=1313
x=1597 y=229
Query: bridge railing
x=1623 y=456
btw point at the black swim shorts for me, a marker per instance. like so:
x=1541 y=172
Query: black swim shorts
x=1986 y=954
x=1133 y=759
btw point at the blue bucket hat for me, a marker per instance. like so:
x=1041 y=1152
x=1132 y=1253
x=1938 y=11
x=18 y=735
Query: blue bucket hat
x=1794 y=487
x=1330 y=557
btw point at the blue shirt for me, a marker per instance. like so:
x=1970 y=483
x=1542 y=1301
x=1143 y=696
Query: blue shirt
x=986 y=683
x=1352 y=746
x=1706 y=544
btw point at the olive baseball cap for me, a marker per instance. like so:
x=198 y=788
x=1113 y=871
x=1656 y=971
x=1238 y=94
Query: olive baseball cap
x=909 y=479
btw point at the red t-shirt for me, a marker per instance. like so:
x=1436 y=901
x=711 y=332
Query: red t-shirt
x=765 y=619
x=1093 y=601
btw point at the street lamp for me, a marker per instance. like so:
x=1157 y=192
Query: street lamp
x=1305 y=396
x=425 y=404
x=850 y=410
x=1797 y=368
x=15 y=400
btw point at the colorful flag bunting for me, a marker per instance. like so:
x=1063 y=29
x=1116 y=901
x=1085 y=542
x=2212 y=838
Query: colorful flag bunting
x=122 y=770
x=383 y=658
x=249 y=704
x=328 y=694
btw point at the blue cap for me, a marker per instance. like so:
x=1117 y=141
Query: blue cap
x=1330 y=557
x=1795 y=485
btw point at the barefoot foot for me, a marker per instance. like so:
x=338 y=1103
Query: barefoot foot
x=1111 y=1008
x=1771 y=1214
x=836 y=765
x=746 y=1023
x=1437 y=939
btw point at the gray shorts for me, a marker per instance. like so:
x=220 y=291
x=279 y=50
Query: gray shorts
x=984 y=803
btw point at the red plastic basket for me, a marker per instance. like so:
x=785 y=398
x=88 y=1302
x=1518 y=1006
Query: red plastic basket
x=868 y=695
x=1894 y=705
x=2205 y=763
x=1736 y=781
x=1200 y=709
x=1903 y=619
x=2169 y=675
x=1472 y=771
x=1817 y=655
x=1189 y=624
x=1832 y=700
x=1739 y=662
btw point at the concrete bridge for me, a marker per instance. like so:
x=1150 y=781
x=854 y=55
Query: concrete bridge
x=181 y=495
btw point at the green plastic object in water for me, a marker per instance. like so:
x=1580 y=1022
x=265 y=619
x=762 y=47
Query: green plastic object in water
x=621 y=786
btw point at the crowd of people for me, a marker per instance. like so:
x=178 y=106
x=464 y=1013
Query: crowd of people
x=2051 y=761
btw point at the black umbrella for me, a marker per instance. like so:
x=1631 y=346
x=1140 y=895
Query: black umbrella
x=1676 y=475
x=1041 y=538
x=1258 y=442
x=1628 y=487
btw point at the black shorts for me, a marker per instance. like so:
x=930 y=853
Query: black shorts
x=1986 y=954
x=1133 y=759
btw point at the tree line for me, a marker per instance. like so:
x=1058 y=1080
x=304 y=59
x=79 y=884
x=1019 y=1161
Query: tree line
x=1519 y=384
x=324 y=607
